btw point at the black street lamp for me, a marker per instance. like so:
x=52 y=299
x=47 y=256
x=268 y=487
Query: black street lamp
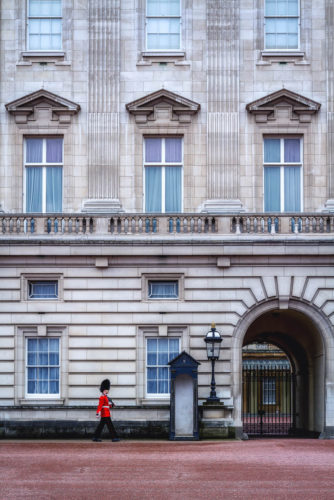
x=213 y=340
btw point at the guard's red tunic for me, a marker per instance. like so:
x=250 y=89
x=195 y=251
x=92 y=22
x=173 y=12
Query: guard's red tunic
x=104 y=406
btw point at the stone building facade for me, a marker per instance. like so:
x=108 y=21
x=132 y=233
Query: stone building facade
x=164 y=165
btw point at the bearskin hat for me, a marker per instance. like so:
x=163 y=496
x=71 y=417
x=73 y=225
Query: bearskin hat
x=105 y=385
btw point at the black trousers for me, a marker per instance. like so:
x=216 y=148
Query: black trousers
x=105 y=421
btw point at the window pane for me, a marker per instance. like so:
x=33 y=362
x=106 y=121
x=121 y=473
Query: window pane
x=163 y=289
x=32 y=345
x=281 y=41
x=272 y=153
x=282 y=7
x=34 y=150
x=173 y=148
x=270 y=9
x=291 y=150
x=293 y=7
x=174 y=347
x=34 y=27
x=163 y=7
x=54 y=189
x=54 y=387
x=32 y=387
x=163 y=42
x=55 y=26
x=292 y=198
x=292 y=41
x=153 y=189
x=173 y=189
x=43 y=289
x=45 y=42
x=54 y=345
x=32 y=373
x=33 y=189
x=272 y=191
x=45 y=26
x=153 y=150
x=53 y=358
x=32 y=358
x=270 y=41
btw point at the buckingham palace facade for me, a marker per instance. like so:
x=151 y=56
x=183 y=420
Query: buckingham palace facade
x=165 y=164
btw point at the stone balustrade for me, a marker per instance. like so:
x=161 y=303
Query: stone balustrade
x=162 y=224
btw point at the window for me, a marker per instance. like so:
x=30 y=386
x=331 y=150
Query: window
x=44 y=174
x=163 y=174
x=159 y=352
x=42 y=367
x=163 y=289
x=269 y=391
x=281 y=24
x=282 y=175
x=44 y=25
x=163 y=25
x=43 y=289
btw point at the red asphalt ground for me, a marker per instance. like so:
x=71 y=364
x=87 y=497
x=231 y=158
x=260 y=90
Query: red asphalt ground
x=160 y=470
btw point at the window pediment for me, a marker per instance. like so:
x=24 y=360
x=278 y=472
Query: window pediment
x=163 y=105
x=283 y=102
x=44 y=107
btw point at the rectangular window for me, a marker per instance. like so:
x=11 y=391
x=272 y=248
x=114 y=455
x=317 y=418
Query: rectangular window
x=43 y=289
x=269 y=391
x=44 y=174
x=44 y=25
x=159 y=351
x=282 y=175
x=163 y=174
x=42 y=367
x=163 y=289
x=163 y=25
x=282 y=24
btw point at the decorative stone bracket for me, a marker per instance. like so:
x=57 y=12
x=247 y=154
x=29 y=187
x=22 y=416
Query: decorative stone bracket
x=299 y=108
x=163 y=104
x=44 y=108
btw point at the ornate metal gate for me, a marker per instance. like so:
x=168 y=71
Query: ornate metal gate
x=268 y=397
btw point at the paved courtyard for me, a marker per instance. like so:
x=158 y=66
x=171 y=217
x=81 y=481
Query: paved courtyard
x=259 y=469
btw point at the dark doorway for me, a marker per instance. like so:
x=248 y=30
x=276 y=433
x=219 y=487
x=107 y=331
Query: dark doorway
x=268 y=382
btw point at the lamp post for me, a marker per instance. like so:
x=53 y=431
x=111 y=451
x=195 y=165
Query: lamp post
x=213 y=340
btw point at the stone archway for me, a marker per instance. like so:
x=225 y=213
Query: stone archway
x=306 y=336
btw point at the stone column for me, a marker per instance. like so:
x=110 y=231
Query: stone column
x=223 y=33
x=330 y=102
x=103 y=106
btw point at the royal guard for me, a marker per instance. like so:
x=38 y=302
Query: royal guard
x=103 y=410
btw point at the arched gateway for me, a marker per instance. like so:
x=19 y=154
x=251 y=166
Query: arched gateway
x=294 y=380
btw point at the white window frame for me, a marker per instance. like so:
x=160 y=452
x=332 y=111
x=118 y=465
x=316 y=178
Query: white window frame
x=40 y=395
x=147 y=277
x=43 y=17
x=44 y=165
x=26 y=278
x=155 y=331
x=157 y=394
x=163 y=165
x=282 y=166
x=275 y=17
x=162 y=17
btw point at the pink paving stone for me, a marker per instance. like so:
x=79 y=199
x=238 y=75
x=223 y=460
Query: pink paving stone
x=154 y=470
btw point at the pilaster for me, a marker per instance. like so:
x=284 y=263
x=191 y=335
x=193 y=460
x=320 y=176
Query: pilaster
x=223 y=28
x=330 y=102
x=103 y=106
